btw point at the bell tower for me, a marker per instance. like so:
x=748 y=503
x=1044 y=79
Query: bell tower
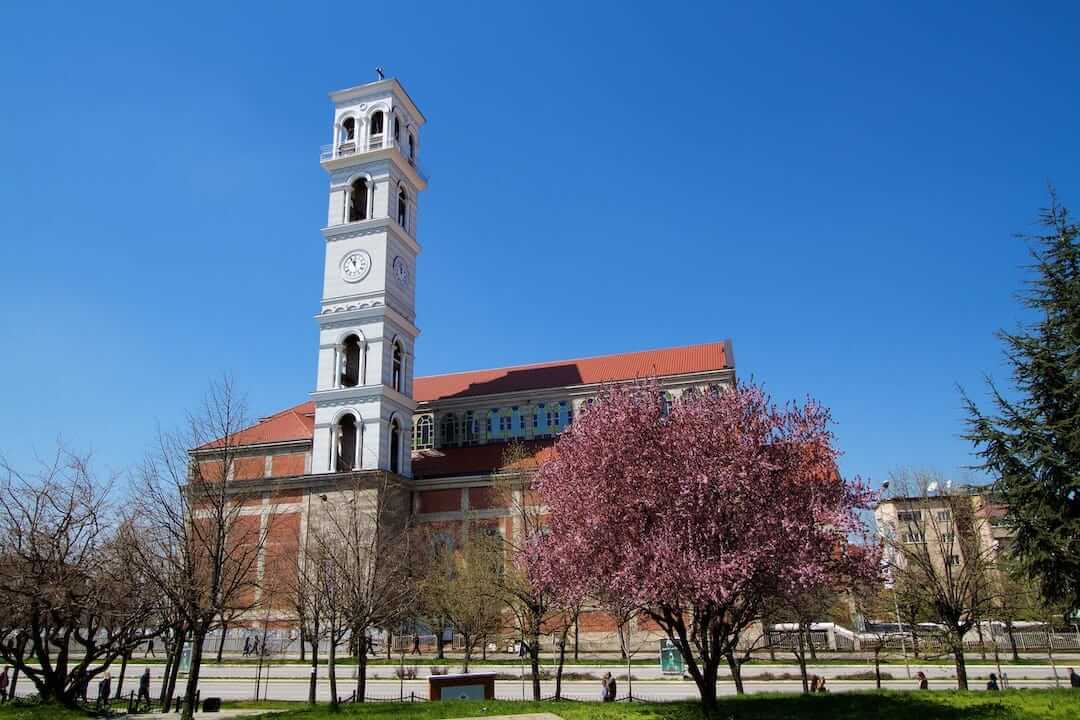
x=363 y=393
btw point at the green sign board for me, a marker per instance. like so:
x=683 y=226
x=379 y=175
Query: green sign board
x=671 y=660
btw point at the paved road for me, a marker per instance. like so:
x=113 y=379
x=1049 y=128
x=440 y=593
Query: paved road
x=290 y=682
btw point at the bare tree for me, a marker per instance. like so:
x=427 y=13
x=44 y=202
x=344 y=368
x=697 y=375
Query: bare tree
x=204 y=532
x=938 y=552
x=461 y=586
x=530 y=604
x=362 y=534
x=72 y=604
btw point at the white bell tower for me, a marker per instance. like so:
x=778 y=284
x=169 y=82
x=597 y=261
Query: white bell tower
x=363 y=393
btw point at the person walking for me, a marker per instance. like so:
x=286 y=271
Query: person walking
x=821 y=685
x=923 y=683
x=4 y=680
x=813 y=683
x=992 y=684
x=149 y=649
x=144 y=688
x=1074 y=679
x=415 y=645
x=247 y=645
x=104 y=692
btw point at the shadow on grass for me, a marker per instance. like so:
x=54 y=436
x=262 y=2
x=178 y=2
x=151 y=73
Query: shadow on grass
x=936 y=705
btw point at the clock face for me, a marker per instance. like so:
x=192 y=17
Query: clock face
x=355 y=266
x=401 y=271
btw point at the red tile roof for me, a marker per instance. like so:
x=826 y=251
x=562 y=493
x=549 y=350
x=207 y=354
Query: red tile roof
x=476 y=460
x=584 y=371
x=296 y=423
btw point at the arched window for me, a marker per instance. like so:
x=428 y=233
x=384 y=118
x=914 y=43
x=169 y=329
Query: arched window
x=402 y=207
x=375 y=131
x=351 y=361
x=399 y=367
x=358 y=193
x=424 y=433
x=395 y=446
x=347 y=455
x=348 y=130
x=449 y=430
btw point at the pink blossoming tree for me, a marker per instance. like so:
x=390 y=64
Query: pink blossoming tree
x=698 y=512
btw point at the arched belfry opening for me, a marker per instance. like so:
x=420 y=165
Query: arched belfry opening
x=375 y=129
x=358 y=200
x=398 y=367
x=402 y=208
x=349 y=444
x=352 y=361
x=395 y=446
x=348 y=130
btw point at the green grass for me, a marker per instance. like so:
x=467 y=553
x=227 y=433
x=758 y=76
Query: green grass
x=1011 y=705
x=32 y=711
x=937 y=705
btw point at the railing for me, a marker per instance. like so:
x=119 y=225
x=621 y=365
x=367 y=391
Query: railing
x=376 y=142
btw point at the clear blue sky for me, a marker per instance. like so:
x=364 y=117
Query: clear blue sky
x=834 y=189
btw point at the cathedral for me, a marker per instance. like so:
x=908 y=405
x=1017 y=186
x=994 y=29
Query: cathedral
x=441 y=436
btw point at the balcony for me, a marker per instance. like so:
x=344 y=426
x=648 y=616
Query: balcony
x=375 y=142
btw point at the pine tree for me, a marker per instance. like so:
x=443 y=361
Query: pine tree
x=1031 y=444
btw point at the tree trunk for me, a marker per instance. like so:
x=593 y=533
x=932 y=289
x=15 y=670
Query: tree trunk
x=576 y=640
x=736 y=672
x=389 y=643
x=982 y=643
x=120 y=679
x=534 y=663
x=468 y=654
x=361 y=670
x=707 y=684
x=800 y=655
x=331 y=670
x=221 y=643
x=877 y=668
x=440 y=654
x=303 y=646
x=559 y=667
x=168 y=688
x=314 y=668
x=191 y=694
x=1012 y=641
x=961 y=667
x=810 y=643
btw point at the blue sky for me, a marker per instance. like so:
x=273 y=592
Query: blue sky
x=835 y=188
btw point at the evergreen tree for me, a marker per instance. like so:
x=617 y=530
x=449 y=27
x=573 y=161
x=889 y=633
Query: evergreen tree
x=1031 y=444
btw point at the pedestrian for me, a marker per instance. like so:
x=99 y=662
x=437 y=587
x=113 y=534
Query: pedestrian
x=921 y=677
x=813 y=683
x=821 y=685
x=612 y=692
x=371 y=645
x=992 y=684
x=604 y=687
x=255 y=647
x=144 y=688
x=1074 y=679
x=4 y=685
x=247 y=645
x=150 y=648
x=415 y=645
x=104 y=691
x=523 y=648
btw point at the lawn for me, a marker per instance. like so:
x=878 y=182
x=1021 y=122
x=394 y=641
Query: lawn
x=1015 y=704
x=943 y=705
